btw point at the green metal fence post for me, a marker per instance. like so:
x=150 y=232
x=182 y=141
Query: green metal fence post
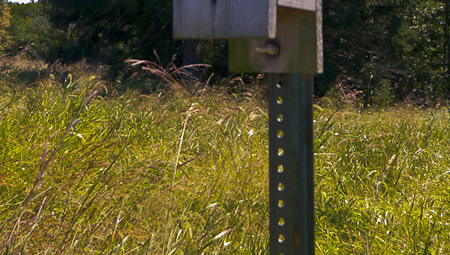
x=291 y=181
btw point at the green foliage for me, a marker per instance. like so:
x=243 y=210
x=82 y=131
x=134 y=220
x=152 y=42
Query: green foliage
x=383 y=183
x=87 y=170
x=382 y=94
x=94 y=173
x=424 y=41
x=368 y=42
x=34 y=36
x=114 y=30
x=5 y=22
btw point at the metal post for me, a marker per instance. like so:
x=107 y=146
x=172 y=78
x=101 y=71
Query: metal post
x=291 y=182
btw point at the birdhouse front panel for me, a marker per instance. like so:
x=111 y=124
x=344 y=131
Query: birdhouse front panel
x=298 y=42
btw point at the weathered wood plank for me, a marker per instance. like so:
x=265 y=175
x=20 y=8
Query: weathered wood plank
x=192 y=20
x=219 y=19
x=319 y=35
x=307 y=5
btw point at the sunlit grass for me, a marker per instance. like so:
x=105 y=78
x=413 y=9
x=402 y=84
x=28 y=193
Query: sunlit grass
x=85 y=174
x=383 y=183
x=106 y=181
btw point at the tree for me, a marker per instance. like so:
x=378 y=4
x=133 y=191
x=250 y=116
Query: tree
x=5 y=22
x=388 y=47
x=115 y=29
x=424 y=40
x=30 y=25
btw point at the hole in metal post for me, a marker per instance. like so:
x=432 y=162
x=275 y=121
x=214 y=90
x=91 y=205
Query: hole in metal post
x=281 y=222
x=281 y=187
x=280 y=203
x=279 y=100
x=281 y=238
x=280 y=134
x=280 y=169
x=280 y=118
x=280 y=152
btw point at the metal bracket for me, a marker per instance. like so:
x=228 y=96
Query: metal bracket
x=272 y=48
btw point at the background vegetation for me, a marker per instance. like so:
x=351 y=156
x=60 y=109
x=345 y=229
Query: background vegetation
x=376 y=51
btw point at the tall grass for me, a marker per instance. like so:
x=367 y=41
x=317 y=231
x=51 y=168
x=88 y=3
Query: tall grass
x=176 y=173
x=82 y=174
x=382 y=183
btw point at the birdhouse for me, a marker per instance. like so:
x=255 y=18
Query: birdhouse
x=273 y=36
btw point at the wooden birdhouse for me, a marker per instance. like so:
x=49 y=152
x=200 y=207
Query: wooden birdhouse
x=273 y=36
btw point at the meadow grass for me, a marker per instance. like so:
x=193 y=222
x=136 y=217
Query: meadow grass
x=382 y=183
x=86 y=172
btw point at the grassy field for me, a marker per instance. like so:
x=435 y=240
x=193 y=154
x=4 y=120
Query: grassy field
x=86 y=172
